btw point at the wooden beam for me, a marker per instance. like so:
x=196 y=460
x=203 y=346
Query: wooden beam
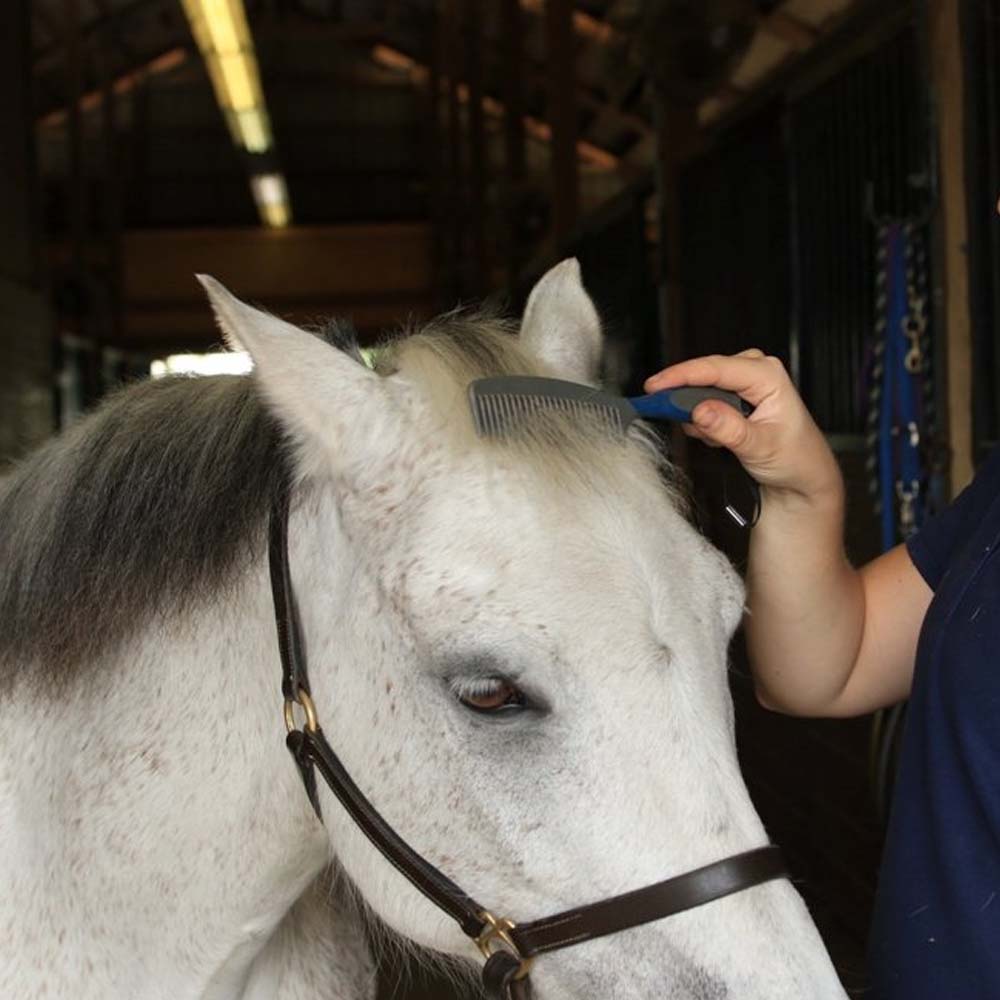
x=303 y=272
x=121 y=84
x=27 y=331
x=530 y=77
x=560 y=52
x=74 y=88
x=799 y=35
x=48 y=21
x=110 y=14
x=677 y=129
x=597 y=104
x=585 y=26
x=512 y=63
x=476 y=137
x=796 y=34
x=435 y=153
x=92 y=32
x=947 y=81
x=111 y=180
x=455 y=192
x=589 y=153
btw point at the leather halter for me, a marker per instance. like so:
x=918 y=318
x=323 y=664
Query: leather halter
x=509 y=948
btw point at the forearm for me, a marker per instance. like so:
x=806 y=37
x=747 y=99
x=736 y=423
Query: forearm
x=824 y=639
x=806 y=604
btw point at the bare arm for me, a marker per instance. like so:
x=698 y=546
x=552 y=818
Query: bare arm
x=824 y=638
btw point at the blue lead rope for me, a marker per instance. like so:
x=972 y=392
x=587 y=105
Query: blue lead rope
x=900 y=466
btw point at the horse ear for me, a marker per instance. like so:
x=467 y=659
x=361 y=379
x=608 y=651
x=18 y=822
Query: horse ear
x=330 y=402
x=561 y=325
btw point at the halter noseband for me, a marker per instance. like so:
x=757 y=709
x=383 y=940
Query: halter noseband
x=509 y=948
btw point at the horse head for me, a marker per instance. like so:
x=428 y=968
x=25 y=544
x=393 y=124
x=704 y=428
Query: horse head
x=518 y=648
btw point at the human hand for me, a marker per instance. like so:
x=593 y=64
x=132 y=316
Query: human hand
x=779 y=444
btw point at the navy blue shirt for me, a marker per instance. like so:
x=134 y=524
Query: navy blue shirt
x=936 y=932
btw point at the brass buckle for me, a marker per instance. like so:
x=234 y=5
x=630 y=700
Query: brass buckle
x=312 y=721
x=496 y=936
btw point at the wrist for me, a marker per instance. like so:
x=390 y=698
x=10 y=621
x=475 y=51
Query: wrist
x=822 y=495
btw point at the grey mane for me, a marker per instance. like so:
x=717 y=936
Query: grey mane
x=159 y=499
x=146 y=507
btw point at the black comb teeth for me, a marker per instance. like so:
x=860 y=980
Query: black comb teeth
x=502 y=404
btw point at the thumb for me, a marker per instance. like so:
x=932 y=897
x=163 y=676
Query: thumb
x=720 y=424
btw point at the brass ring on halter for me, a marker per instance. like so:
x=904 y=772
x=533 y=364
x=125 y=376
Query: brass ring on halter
x=498 y=930
x=312 y=721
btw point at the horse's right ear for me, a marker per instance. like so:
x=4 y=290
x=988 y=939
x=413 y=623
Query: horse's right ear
x=331 y=404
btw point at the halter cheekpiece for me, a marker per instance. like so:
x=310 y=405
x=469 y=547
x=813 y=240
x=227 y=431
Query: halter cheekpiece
x=508 y=947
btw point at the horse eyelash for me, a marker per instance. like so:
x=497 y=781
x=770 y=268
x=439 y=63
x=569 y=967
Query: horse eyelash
x=475 y=687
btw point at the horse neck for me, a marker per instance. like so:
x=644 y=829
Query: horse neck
x=156 y=819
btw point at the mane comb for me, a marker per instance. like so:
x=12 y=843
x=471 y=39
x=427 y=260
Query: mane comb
x=501 y=404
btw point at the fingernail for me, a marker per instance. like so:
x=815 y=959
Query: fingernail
x=705 y=416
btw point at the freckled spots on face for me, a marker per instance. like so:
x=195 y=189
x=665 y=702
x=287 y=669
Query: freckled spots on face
x=701 y=985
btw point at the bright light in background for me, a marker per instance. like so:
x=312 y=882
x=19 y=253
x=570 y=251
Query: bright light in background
x=220 y=28
x=271 y=195
x=218 y=363
x=223 y=35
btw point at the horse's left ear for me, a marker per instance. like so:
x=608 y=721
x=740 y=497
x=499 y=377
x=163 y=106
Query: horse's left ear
x=330 y=403
x=561 y=326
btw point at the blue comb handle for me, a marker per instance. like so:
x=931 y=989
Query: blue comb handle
x=677 y=404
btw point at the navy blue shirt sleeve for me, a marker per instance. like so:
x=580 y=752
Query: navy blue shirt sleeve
x=933 y=547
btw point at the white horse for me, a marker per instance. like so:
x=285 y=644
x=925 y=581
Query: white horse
x=518 y=650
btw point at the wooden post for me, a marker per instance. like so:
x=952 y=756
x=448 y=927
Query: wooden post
x=26 y=376
x=512 y=29
x=947 y=81
x=477 y=147
x=676 y=134
x=74 y=88
x=437 y=160
x=676 y=128
x=138 y=156
x=560 y=49
x=454 y=197
x=112 y=199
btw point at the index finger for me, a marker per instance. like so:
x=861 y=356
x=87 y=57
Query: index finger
x=752 y=378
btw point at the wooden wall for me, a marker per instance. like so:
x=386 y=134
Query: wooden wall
x=376 y=275
x=25 y=319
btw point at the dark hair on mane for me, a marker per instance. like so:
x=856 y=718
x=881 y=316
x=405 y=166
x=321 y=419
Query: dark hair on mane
x=152 y=502
x=145 y=507
x=159 y=499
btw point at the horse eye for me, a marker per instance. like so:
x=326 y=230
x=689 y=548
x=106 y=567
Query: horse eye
x=492 y=696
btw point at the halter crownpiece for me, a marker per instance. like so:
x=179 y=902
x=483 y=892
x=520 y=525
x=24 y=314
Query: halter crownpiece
x=509 y=948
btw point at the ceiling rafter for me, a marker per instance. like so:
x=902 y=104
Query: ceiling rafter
x=602 y=33
x=536 y=128
x=110 y=14
x=585 y=25
x=799 y=35
x=107 y=22
x=122 y=83
x=796 y=34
